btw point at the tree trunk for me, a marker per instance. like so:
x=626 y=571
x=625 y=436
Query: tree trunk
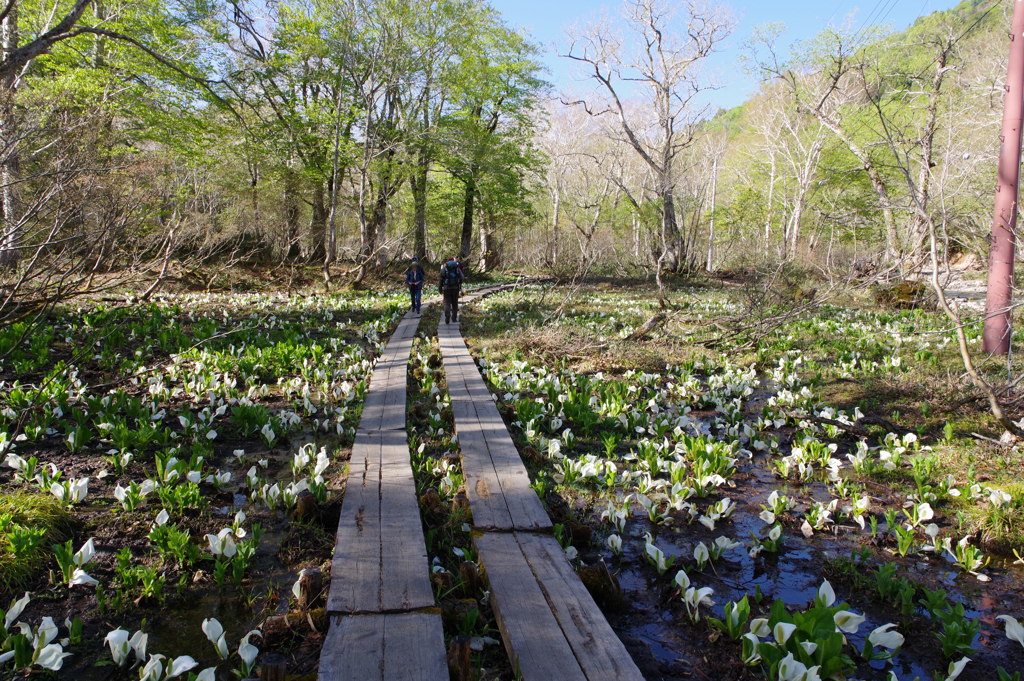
x=317 y=225
x=366 y=231
x=331 y=248
x=10 y=174
x=794 y=228
x=419 y=200
x=670 y=232
x=711 y=223
x=636 y=237
x=379 y=222
x=291 y=214
x=918 y=236
x=489 y=257
x=256 y=230
x=10 y=165
x=467 y=216
x=99 y=45
x=768 y=210
x=891 y=239
x=554 y=225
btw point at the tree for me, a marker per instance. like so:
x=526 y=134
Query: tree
x=488 y=134
x=31 y=32
x=822 y=78
x=666 y=67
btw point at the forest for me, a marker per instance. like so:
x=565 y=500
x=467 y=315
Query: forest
x=716 y=401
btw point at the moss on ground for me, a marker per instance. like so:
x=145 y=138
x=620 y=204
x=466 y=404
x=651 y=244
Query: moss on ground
x=30 y=511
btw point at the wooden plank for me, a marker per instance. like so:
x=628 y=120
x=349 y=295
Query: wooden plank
x=598 y=650
x=483 y=488
x=393 y=415
x=400 y=647
x=384 y=406
x=476 y=416
x=405 y=570
x=355 y=567
x=414 y=648
x=532 y=636
x=407 y=328
x=354 y=649
x=524 y=506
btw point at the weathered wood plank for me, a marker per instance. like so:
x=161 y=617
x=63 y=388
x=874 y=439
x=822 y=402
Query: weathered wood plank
x=414 y=648
x=354 y=649
x=501 y=469
x=405 y=576
x=483 y=488
x=529 y=629
x=407 y=328
x=598 y=650
x=355 y=567
x=399 y=647
x=393 y=416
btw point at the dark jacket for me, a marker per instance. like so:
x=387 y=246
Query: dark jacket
x=414 y=277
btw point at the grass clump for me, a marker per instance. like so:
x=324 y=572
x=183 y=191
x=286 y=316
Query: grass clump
x=29 y=524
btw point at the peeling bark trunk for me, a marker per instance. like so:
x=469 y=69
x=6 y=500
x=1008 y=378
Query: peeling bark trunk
x=673 y=255
x=10 y=166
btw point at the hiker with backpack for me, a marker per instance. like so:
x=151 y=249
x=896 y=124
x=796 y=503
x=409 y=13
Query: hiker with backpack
x=414 y=279
x=449 y=286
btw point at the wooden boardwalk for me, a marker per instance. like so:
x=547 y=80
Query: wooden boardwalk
x=380 y=576
x=497 y=483
x=383 y=623
x=551 y=626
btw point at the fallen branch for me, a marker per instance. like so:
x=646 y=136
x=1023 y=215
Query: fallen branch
x=992 y=440
x=857 y=428
x=648 y=326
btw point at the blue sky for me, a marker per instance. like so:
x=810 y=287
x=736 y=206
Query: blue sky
x=546 y=20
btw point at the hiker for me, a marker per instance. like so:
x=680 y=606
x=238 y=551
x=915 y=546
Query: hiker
x=414 y=280
x=449 y=286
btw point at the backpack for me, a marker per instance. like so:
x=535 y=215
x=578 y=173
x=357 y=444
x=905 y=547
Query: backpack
x=451 y=277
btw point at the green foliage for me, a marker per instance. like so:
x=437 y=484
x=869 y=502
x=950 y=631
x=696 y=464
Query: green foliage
x=174 y=545
x=736 y=617
x=28 y=523
x=175 y=498
x=815 y=626
x=958 y=631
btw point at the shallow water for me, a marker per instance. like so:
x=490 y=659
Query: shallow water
x=794 y=575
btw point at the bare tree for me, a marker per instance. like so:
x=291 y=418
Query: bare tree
x=797 y=140
x=822 y=78
x=673 y=42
